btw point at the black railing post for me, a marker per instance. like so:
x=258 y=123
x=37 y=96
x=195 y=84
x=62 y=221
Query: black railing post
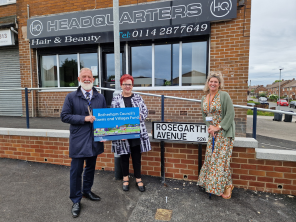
x=162 y=142
x=254 y=122
x=199 y=157
x=162 y=108
x=27 y=107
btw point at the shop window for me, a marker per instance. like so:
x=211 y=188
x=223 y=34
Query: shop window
x=90 y=60
x=110 y=69
x=194 y=63
x=49 y=71
x=167 y=65
x=141 y=62
x=7 y=2
x=65 y=73
x=68 y=70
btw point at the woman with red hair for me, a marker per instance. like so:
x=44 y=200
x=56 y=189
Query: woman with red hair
x=131 y=147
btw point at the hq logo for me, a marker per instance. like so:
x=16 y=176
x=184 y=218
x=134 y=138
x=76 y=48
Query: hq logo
x=220 y=8
x=36 y=28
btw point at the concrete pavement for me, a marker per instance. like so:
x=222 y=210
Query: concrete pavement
x=39 y=192
x=273 y=134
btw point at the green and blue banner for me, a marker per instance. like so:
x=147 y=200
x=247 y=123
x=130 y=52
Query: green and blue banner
x=116 y=124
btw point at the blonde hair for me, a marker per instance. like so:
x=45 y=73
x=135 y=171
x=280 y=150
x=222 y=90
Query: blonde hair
x=217 y=76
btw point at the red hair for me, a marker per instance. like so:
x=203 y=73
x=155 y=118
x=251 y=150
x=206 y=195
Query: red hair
x=126 y=77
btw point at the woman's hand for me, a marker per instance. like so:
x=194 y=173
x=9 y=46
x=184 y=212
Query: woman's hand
x=213 y=129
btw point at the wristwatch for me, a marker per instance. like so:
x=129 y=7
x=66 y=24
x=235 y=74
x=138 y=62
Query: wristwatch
x=219 y=126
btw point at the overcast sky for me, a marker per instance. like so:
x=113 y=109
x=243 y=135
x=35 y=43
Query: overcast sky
x=273 y=41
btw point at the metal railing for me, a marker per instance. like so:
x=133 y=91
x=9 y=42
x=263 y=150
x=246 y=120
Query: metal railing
x=255 y=109
x=162 y=150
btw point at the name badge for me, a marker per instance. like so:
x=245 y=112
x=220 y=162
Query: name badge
x=209 y=118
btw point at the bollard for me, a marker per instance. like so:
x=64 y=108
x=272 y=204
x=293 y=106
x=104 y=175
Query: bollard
x=117 y=166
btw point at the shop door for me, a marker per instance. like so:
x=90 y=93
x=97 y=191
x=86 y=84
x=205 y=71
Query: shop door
x=108 y=77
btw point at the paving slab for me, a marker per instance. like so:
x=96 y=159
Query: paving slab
x=39 y=192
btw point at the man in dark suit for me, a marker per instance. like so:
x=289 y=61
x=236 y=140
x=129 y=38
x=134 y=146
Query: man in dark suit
x=77 y=110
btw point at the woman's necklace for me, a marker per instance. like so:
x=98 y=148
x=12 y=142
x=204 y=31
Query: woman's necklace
x=211 y=100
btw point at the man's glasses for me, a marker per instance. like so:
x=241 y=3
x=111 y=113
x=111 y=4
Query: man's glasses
x=127 y=85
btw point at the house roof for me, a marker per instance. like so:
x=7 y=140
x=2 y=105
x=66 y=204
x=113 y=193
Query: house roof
x=261 y=86
x=271 y=85
x=283 y=83
x=253 y=87
x=291 y=84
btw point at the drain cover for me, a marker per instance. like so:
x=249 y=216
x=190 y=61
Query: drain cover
x=163 y=214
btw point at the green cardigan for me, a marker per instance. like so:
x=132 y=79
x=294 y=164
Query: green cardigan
x=227 y=123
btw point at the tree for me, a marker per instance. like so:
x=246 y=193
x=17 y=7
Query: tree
x=111 y=78
x=262 y=95
x=273 y=97
x=68 y=73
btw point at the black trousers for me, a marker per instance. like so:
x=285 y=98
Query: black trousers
x=136 y=158
x=76 y=177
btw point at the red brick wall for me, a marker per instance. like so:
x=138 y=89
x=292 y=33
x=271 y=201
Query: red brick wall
x=229 y=55
x=180 y=160
x=7 y=10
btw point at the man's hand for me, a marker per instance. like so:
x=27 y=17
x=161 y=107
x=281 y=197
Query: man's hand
x=89 y=119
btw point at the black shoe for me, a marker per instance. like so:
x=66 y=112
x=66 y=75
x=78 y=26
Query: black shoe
x=125 y=187
x=76 y=209
x=92 y=196
x=141 y=188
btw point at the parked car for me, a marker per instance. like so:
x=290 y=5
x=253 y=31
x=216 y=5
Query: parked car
x=263 y=100
x=282 y=102
x=293 y=104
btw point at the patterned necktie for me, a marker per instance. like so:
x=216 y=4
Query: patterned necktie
x=88 y=99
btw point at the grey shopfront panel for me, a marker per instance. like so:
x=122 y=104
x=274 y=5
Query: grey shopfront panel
x=11 y=101
x=165 y=19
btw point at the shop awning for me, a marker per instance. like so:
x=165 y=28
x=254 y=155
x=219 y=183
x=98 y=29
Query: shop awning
x=7 y=22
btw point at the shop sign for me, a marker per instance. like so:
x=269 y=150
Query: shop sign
x=116 y=124
x=133 y=17
x=127 y=35
x=188 y=132
x=6 y=38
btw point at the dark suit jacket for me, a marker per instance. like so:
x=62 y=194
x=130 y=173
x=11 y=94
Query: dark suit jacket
x=81 y=142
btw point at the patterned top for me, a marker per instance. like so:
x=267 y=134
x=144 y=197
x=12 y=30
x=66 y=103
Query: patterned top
x=227 y=112
x=215 y=109
x=122 y=146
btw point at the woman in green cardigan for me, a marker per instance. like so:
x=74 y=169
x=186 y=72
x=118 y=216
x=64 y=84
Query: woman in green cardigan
x=218 y=114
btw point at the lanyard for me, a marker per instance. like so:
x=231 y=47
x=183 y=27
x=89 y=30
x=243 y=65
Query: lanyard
x=210 y=100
